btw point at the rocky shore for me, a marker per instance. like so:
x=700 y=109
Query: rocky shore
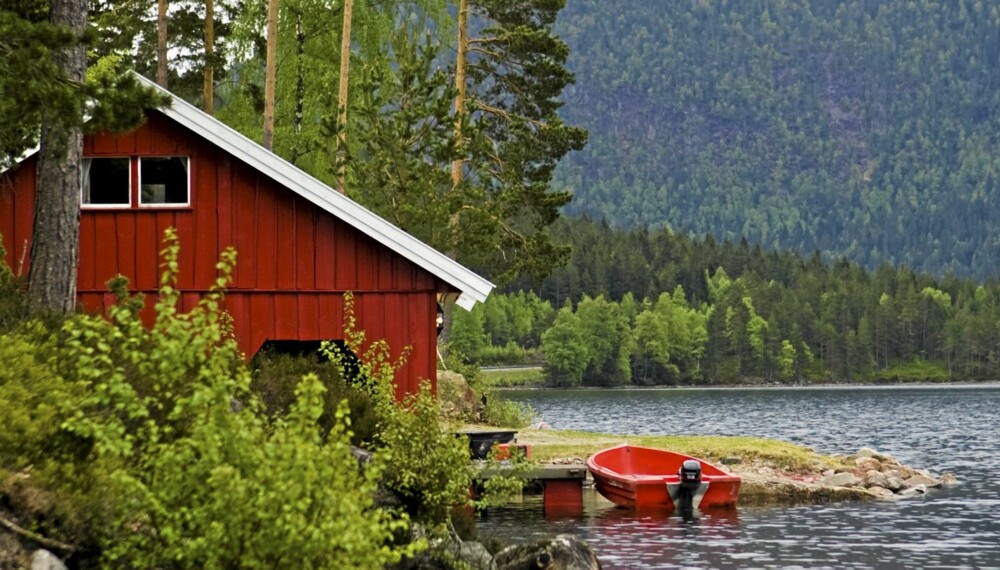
x=866 y=475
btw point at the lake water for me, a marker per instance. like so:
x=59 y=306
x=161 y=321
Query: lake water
x=943 y=429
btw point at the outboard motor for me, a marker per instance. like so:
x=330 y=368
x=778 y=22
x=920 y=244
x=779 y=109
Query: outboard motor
x=690 y=476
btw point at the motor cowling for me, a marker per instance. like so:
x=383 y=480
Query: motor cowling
x=690 y=475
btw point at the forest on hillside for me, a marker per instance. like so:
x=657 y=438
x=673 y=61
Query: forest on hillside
x=654 y=307
x=865 y=129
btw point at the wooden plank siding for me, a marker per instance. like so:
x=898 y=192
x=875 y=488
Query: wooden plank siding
x=295 y=261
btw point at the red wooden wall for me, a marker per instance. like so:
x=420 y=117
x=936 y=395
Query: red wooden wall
x=295 y=261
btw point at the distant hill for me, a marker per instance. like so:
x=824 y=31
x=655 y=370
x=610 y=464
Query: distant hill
x=862 y=128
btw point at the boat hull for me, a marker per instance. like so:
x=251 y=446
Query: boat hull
x=640 y=477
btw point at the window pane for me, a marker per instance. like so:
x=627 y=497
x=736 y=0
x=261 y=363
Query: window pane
x=163 y=180
x=106 y=181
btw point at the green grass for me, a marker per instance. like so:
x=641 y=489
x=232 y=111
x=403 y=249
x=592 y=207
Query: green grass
x=914 y=371
x=510 y=378
x=552 y=444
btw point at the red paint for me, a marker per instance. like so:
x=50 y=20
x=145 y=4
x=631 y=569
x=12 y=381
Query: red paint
x=295 y=260
x=563 y=495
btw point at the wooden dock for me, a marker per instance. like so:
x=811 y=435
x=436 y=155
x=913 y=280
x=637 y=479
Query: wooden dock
x=562 y=485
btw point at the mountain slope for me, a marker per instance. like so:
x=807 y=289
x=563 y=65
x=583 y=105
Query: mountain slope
x=865 y=129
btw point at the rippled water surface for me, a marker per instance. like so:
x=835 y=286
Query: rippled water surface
x=943 y=429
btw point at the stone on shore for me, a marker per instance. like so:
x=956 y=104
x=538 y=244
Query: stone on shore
x=843 y=479
x=564 y=552
x=457 y=399
x=920 y=479
x=875 y=476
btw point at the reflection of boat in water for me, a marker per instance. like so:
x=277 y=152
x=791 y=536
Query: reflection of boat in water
x=641 y=477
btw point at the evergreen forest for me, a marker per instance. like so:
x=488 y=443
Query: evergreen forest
x=654 y=307
x=861 y=128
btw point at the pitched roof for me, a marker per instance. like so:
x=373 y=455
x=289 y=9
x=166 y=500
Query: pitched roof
x=471 y=286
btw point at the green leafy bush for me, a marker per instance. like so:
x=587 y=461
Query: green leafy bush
x=276 y=376
x=155 y=436
x=13 y=305
x=421 y=459
x=501 y=412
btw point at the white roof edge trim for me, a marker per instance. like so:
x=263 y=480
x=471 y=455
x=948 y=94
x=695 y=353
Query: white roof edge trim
x=473 y=288
x=466 y=302
x=5 y=166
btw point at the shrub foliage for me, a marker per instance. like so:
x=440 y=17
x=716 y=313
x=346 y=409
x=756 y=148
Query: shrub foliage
x=146 y=447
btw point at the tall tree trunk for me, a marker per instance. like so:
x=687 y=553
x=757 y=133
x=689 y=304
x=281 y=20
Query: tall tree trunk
x=300 y=89
x=55 y=245
x=460 y=65
x=161 y=43
x=270 y=72
x=345 y=61
x=456 y=166
x=208 y=88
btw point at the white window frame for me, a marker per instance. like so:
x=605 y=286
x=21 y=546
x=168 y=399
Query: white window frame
x=85 y=177
x=187 y=170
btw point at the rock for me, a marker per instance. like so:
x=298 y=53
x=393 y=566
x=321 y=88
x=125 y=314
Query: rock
x=876 y=479
x=455 y=395
x=913 y=491
x=882 y=492
x=730 y=461
x=918 y=480
x=894 y=482
x=843 y=479
x=475 y=555
x=564 y=552
x=949 y=480
x=451 y=553
x=866 y=452
x=868 y=464
x=45 y=560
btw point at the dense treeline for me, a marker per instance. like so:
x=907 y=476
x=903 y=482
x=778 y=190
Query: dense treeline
x=864 y=129
x=654 y=307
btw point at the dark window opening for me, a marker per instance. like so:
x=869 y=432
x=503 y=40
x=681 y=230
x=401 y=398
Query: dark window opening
x=106 y=181
x=310 y=349
x=163 y=180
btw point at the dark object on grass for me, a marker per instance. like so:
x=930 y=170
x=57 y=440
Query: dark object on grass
x=480 y=442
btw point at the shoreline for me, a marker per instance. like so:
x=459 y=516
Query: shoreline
x=823 y=386
x=773 y=472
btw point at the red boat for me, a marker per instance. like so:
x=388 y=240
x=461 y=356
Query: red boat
x=638 y=477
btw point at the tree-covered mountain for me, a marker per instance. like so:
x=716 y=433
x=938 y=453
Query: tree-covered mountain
x=861 y=128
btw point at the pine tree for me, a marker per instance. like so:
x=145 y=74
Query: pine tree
x=516 y=73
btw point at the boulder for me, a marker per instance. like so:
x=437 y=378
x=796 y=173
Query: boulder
x=564 y=552
x=894 y=482
x=843 y=479
x=868 y=464
x=876 y=479
x=457 y=399
x=45 y=560
x=867 y=452
x=918 y=480
x=949 y=480
x=451 y=553
x=882 y=492
x=475 y=555
x=913 y=491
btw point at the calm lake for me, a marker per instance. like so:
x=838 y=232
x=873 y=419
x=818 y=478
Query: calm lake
x=943 y=429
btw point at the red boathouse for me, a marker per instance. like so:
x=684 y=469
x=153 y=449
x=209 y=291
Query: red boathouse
x=300 y=243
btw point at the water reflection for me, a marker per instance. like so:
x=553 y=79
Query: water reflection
x=942 y=429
